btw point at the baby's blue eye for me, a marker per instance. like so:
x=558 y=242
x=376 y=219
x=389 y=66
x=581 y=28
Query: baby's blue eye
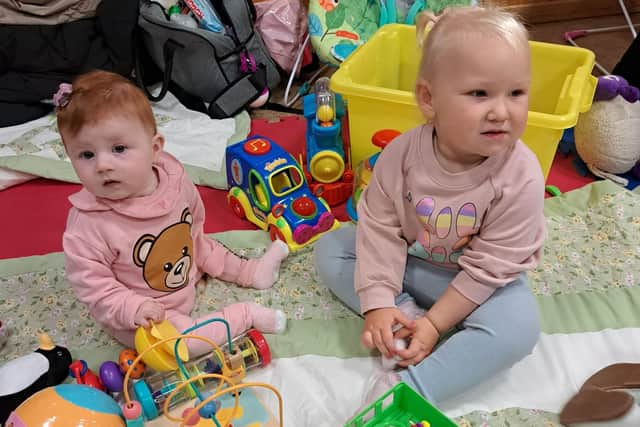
x=517 y=92
x=119 y=149
x=87 y=155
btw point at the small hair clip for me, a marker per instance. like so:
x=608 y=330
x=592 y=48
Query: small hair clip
x=63 y=95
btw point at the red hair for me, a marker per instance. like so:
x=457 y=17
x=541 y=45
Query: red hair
x=99 y=94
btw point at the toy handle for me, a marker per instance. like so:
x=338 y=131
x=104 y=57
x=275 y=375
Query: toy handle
x=587 y=94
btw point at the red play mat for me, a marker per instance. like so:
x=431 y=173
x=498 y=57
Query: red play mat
x=33 y=214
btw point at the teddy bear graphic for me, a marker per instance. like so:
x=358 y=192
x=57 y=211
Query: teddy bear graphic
x=166 y=259
x=430 y=242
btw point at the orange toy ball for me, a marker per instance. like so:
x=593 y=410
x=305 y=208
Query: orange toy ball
x=125 y=360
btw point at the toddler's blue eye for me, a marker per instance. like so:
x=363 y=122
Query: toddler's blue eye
x=119 y=149
x=86 y=155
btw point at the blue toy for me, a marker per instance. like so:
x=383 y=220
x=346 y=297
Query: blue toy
x=267 y=187
x=327 y=168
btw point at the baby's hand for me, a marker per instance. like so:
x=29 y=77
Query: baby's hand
x=377 y=331
x=149 y=310
x=423 y=338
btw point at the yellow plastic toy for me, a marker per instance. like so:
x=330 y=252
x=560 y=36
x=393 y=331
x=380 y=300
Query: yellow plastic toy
x=161 y=358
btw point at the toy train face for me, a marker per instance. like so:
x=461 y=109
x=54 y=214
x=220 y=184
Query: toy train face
x=268 y=188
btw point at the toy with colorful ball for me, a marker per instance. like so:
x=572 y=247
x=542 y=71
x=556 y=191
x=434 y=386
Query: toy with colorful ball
x=365 y=168
x=327 y=166
x=205 y=380
x=67 y=405
x=232 y=360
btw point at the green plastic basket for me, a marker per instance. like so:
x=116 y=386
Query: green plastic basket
x=399 y=407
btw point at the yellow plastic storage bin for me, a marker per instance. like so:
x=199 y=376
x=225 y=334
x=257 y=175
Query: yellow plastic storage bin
x=377 y=82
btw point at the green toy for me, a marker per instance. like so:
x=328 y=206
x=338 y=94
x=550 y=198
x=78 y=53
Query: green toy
x=400 y=407
x=337 y=28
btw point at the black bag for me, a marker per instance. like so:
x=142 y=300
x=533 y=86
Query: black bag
x=35 y=59
x=227 y=70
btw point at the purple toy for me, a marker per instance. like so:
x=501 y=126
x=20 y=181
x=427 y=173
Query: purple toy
x=111 y=376
x=610 y=86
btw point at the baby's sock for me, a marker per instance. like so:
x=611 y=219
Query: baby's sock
x=267 y=320
x=268 y=267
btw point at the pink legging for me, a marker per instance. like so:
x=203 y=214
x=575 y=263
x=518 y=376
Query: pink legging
x=238 y=315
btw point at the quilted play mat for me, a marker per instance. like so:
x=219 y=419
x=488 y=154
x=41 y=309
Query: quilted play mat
x=587 y=288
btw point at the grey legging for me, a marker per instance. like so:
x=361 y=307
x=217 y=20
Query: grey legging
x=500 y=332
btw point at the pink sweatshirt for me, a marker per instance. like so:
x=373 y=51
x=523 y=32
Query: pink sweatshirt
x=487 y=222
x=119 y=254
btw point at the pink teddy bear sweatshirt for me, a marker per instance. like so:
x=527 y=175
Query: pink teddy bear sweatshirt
x=119 y=254
x=487 y=222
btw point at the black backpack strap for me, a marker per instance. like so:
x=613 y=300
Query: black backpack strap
x=168 y=52
x=234 y=97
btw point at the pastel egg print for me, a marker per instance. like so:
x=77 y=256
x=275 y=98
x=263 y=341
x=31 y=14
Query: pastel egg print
x=465 y=227
x=465 y=224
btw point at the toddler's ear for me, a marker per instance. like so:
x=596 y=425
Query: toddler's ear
x=424 y=99
x=157 y=145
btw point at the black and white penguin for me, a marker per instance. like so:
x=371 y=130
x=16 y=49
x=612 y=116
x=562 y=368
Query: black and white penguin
x=22 y=377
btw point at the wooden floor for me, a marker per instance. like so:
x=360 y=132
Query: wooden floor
x=608 y=46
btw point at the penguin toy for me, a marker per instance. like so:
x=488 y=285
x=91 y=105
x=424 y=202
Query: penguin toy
x=22 y=377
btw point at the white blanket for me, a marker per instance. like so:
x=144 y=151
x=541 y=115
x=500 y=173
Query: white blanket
x=35 y=149
x=326 y=391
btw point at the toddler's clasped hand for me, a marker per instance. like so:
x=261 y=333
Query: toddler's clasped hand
x=378 y=329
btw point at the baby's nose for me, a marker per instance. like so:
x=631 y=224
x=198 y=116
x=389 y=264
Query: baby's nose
x=498 y=111
x=103 y=163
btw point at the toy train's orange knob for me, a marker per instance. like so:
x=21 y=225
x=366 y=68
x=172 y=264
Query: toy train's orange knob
x=304 y=206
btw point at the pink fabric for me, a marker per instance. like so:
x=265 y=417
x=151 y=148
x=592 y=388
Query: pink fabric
x=487 y=222
x=119 y=254
x=282 y=25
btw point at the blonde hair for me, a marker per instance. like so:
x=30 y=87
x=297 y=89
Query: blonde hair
x=460 y=24
x=99 y=94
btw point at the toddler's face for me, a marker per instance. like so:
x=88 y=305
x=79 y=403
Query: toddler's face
x=480 y=97
x=113 y=158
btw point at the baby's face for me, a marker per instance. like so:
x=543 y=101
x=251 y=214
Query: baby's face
x=113 y=158
x=480 y=96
